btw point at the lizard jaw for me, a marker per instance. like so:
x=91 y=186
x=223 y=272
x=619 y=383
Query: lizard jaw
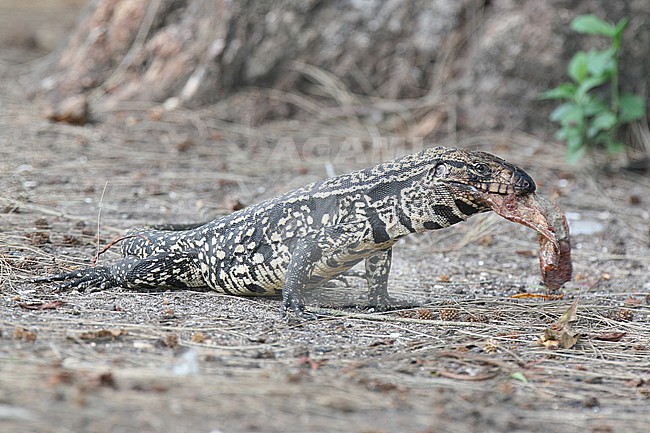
x=520 y=183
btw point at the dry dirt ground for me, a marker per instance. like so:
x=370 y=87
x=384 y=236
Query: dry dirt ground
x=459 y=353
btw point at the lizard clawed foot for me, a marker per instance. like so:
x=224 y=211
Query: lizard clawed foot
x=91 y=278
x=298 y=309
x=381 y=304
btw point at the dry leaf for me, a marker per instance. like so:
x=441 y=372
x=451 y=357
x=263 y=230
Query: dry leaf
x=41 y=305
x=100 y=380
x=546 y=297
x=491 y=346
x=198 y=337
x=561 y=334
x=171 y=341
x=570 y=315
x=632 y=302
x=470 y=377
x=38 y=238
x=103 y=334
x=635 y=383
x=621 y=315
x=385 y=342
x=610 y=336
x=59 y=377
x=23 y=334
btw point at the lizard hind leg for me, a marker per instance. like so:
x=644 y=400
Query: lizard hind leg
x=176 y=269
x=100 y=277
x=163 y=270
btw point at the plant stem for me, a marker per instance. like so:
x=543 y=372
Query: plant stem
x=616 y=44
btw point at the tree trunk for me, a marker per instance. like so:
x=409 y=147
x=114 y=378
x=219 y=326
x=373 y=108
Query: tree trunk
x=466 y=64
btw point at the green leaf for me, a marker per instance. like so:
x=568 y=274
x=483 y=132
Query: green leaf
x=573 y=116
x=603 y=121
x=567 y=113
x=519 y=376
x=587 y=84
x=620 y=26
x=560 y=111
x=593 y=25
x=563 y=91
x=574 y=140
x=614 y=146
x=631 y=107
x=578 y=66
x=593 y=105
x=601 y=63
x=573 y=155
x=561 y=134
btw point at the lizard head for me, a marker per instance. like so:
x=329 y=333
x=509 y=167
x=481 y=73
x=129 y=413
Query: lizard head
x=481 y=173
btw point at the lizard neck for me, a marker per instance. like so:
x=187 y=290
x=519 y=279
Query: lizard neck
x=434 y=209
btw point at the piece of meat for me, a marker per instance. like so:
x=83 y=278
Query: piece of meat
x=550 y=222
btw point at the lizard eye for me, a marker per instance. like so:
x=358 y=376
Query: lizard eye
x=482 y=169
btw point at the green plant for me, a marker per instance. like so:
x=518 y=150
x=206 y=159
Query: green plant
x=587 y=118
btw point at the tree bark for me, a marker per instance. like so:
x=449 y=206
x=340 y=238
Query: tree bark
x=470 y=64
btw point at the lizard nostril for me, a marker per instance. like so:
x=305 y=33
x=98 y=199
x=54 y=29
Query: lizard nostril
x=524 y=184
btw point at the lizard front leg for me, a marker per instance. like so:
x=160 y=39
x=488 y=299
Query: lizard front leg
x=301 y=265
x=377 y=270
x=333 y=250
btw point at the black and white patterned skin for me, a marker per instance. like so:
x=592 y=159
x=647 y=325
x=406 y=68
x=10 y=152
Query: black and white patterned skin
x=301 y=239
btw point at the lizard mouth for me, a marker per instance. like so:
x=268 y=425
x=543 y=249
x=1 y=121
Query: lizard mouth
x=519 y=184
x=486 y=187
x=496 y=188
